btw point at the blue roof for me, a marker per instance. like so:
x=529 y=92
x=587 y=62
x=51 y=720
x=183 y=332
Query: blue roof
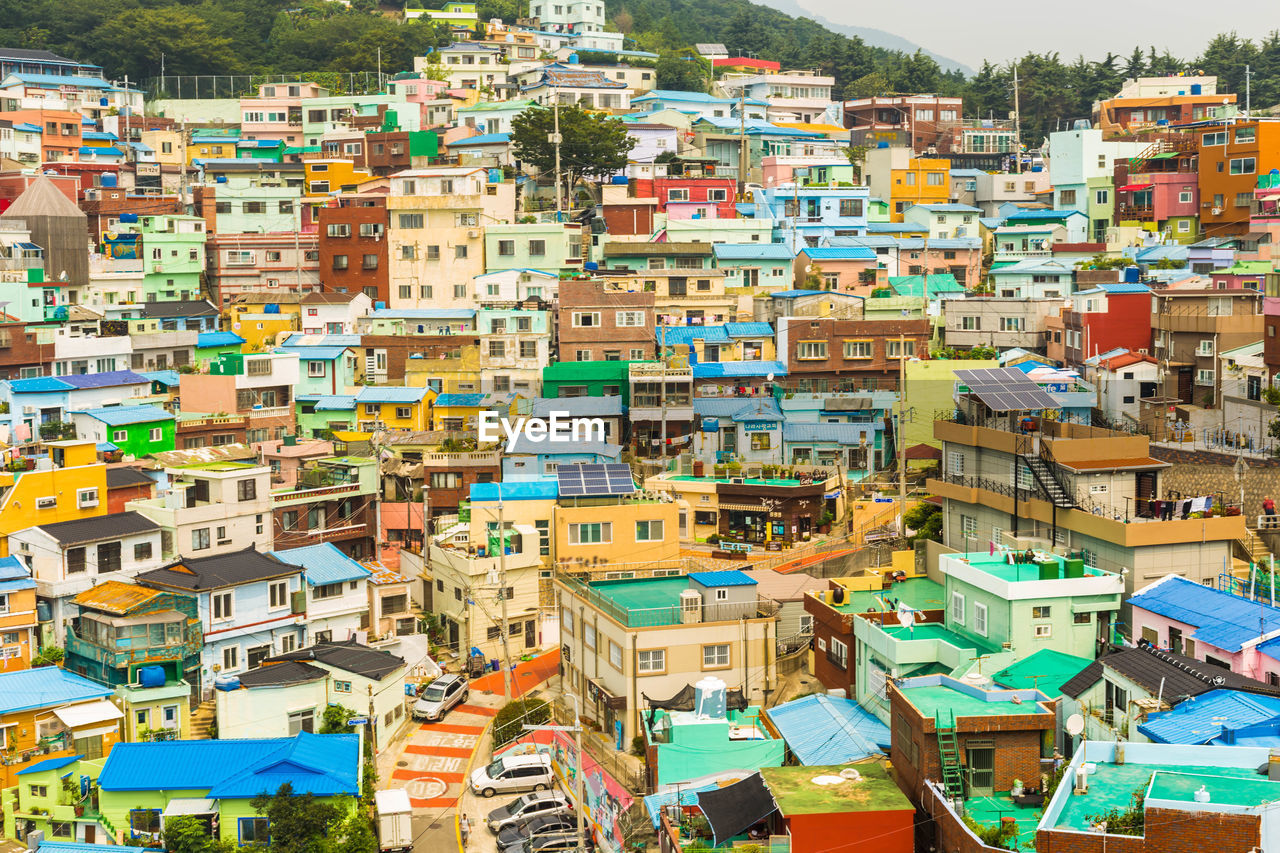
x=335 y=403
x=841 y=253
x=391 y=394
x=164 y=377
x=752 y=251
x=1125 y=287
x=45 y=687
x=106 y=447
x=14 y=575
x=306 y=353
x=39 y=385
x=62 y=80
x=675 y=335
x=218 y=339
x=1029 y=215
x=749 y=330
x=1205 y=717
x=28 y=127
x=99 y=135
x=51 y=846
x=324 y=564
x=50 y=764
x=692 y=97
x=105 y=149
x=949 y=208
x=123 y=415
x=728 y=577
x=718 y=407
x=482 y=139
x=823 y=730
x=1220 y=618
x=759 y=409
x=846 y=433
x=796 y=294
x=464 y=400
x=323 y=765
x=108 y=379
x=1160 y=253
x=517 y=490
x=742 y=369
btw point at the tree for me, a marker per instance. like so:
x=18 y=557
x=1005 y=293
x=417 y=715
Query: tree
x=508 y=723
x=299 y=824
x=592 y=145
x=134 y=41
x=186 y=834
x=334 y=720
x=1136 y=65
x=682 y=72
x=925 y=519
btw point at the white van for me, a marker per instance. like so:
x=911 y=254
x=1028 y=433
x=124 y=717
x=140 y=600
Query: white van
x=513 y=773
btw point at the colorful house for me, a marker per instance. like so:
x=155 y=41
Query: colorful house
x=77 y=482
x=211 y=345
x=17 y=615
x=48 y=712
x=136 y=430
x=385 y=407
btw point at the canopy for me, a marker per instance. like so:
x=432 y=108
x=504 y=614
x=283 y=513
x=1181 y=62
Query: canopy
x=684 y=700
x=734 y=809
x=1130 y=188
x=88 y=713
x=191 y=805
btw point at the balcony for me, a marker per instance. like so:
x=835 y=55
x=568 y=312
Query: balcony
x=120 y=658
x=671 y=615
x=314 y=493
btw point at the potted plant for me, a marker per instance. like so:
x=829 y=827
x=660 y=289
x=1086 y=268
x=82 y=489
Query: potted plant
x=824 y=523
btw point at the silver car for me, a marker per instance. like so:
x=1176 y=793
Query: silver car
x=440 y=696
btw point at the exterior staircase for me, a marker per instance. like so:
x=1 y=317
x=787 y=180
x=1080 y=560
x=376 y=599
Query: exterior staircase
x=202 y=719
x=1254 y=548
x=1058 y=496
x=949 y=755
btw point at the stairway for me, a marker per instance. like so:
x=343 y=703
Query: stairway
x=1044 y=475
x=949 y=755
x=1254 y=547
x=202 y=719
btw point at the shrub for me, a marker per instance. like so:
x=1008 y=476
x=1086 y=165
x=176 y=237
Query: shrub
x=508 y=723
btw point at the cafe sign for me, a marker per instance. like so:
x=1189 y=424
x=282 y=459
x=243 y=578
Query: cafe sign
x=760 y=426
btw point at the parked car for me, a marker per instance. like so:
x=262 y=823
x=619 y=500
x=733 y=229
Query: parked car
x=563 y=842
x=513 y=773
x=439 y=696
x=527 y=807
x=545 y=824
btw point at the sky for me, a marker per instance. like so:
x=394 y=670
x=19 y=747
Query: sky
x=969 y=32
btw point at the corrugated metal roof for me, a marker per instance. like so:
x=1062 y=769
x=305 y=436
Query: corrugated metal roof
x=422 y=314
x=124 y=415
x=49 y=764
x=314 y=353
x=324 y=564
x=164 y=377
x=39 y=385
x=749 y=330
x=760 y=409
x=846 y=434
x=728 y=577
x=482 y=139
x=740 y=369
x=218 y=339
x=517 y=490
x=840 y=253
x=109 y=379
x=675 y=335
x=1220 y=618
x=753 y=251
x=1212 y=713
x=335 y=403
x=45 y=687
x=391 y=394
x=823 y=730
x=460 y=400
x=115 y=597
x=81 y=847
x=324 y=765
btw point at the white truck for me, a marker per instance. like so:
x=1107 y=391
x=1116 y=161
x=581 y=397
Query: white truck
x=395 y=821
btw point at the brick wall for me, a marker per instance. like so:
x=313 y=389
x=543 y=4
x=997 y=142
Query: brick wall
x=828 y=623
x=1167 y=831
x=951 y=835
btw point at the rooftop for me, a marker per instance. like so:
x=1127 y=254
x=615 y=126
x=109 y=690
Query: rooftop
x=796 y=792
x=45 y=687
x=124 y=415
x=221 y=570
x=1220 y=618
x=99 y=527
x=1210 y=717
x=917 y=593
x=821 y=729
x=1046 y=670
x=934 y=694
x=324 y=564
x=350 y=656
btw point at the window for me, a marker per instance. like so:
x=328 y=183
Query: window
x=935 y=179
x=410 y=220
x=338 y=231
x=850 y=207
x=246 y=490
x=957 y=608
x=715 y=656
x=629 y=319
x=592 y=533
x=507 y=248
x=40 y=791
x=1011 y=324
x=537 y=248
x=220 y=604
x=857 y=349
x=1082 y=618
x=1101 y=196
x=302 y=721
x=652 y=661
x=200 y=539
x=811 y=350
x=1243 y=166
x=339 y=262
x=253 y=830
x=528 y=349
x=145 y=821
x=615 y=654
x=61 y=828
x=838 y=653
x=142 y=551
x=955 y=463
x=231 y=658
x=896 y=348
x=279 y=594
x=586 y=319
x=980 y=619
x=370 y=262
x=649 y=531
x=109 y=557
x=677 y=195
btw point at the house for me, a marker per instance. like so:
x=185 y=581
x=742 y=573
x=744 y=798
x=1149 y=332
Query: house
x=1106 y=317
x=1123 y=378
x=333 y=312
x=1189 y=328
x=624 y=638
x=391 y=602
x=755 y=265
x=211 y=508
x=134 y=430
x=1033 y=279
x=215 y=780
x=337 y=591
x=386 y=407
x=250 y=608
x=684 y=741
x=733 y=429
x=604 y=321
x=945 y=221
x=334 y=500
x=18 y=623
x=75 y=479
x=68 y=557
x=903 y=180
x=48 y=712
x=821 y=729
x=824 y=353
x=849 y=270
x=809 y=214
x=788 y=592
x=295 y=688
x=1003 y=323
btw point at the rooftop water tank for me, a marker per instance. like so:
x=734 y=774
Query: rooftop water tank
x=591 y=265
x=128 y=217
x=1195 y=89
x=151 y=676
x=619 y=180
x=710 y=698
x=1131 y=275
x=109 y=181
x=379 y=305
x=221 y=179
x=227 y=682
x=573 y=59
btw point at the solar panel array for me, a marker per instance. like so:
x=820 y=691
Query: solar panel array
x=592 y=479
x=1006 y=389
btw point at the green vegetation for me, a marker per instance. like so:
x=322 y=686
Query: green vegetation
x=1105 y=262
x=926 y=520
x=683 y=71
x=509 y=722
x=1130 y=821
x=302 y=824
x=334 y=720
x=593 y=145
x=48 y=656
x=186 y=834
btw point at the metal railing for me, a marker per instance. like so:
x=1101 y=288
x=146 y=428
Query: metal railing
x=674 y=614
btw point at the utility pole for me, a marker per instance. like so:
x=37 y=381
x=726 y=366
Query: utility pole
x=580 y=785
x=902 y=450
x=502 y=597
x=742 y=143
x=1017 y=125
x=555 y=139
x=1248 y=92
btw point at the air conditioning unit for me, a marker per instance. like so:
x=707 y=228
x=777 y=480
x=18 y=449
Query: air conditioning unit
x=473 y=234
x=91 y=195
x=48 y=502
x=28 y=410
x=1217 y=211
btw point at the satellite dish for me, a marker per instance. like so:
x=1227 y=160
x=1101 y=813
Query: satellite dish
x=1219 y=680
x=770 y=377
x=1075 y=724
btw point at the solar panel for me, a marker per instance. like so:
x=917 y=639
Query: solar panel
x=593 y=479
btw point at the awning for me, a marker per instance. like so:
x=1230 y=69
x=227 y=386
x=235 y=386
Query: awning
x=1133 y=188
x=106 y=447
x=596 y=693
x=1255 y=236
x=78 y=716
x=735 y=808
x=32 y=247
x=832 y=495
x=685 y=698
x=193 y=806
x=1094 y=607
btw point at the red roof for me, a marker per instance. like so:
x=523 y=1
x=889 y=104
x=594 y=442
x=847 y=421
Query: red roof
x=923 y=451
x=1079 y=247
x=1125 y=359
x=746 y=62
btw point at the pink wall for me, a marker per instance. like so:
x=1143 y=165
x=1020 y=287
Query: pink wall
x=208 y=393
x=1248 y=661
x=1164 y=195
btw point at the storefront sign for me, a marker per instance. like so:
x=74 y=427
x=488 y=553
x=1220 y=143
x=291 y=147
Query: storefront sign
x=760 y=426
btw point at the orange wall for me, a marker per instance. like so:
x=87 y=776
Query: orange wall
x=208 y=393
x=1265 y=149
x=21 y=619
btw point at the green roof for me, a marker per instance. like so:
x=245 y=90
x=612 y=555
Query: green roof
x=929 y=699
x=934 y=631
x=1112 y=785
x=913 y=285
x=497 y=106
x=918 y=593
x=1046 y=670
x=1248 y=268
x=217 y=466
x=564 y=371
x=795 y=792
x=1223 y=790
x=646 y=594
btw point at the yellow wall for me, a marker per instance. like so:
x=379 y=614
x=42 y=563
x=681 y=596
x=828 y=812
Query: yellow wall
x=82 y=471
x=259 y=329
x=453 y=373
x=211 y=151
x=623 y=548
x=338 y=173
x=919 y=192
x=417 y=419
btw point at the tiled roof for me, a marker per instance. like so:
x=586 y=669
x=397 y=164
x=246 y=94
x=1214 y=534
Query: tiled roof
x=350 y=656
x=204 y=573
x=1181 y=677
x=283 y=674
x=99 y=527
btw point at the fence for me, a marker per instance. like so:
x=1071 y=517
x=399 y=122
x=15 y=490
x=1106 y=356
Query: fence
x=620 y=767
x=210 y=86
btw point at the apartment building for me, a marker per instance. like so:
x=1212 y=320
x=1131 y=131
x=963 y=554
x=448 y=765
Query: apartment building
x=353 y=245
x=826 y=354
x=211 y=508
x=604 y=321
x=1189 y=328
x=1231 y=156
x=258 y=387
